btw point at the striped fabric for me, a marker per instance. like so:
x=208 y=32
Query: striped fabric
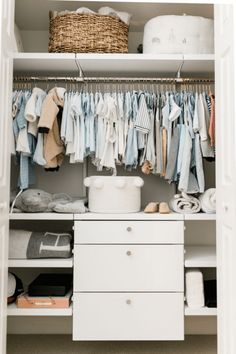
x=143 y=123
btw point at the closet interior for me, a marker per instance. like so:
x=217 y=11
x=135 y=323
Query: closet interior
x=97 y=264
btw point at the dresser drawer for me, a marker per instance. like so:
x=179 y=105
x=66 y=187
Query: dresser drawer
x=108 y=232
x=128 y=268
x=129 y=316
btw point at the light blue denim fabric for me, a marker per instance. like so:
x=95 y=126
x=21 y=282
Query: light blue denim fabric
x=199 y=164
x=187 y=115
x=79 y=108
x=39 y=103
x=26 y=175
x=38 y=154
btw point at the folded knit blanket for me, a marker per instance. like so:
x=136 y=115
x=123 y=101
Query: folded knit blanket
x=208 y=201
x=185 y=204
x=27 y=244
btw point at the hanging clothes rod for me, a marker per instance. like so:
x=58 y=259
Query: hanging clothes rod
x=113 y=79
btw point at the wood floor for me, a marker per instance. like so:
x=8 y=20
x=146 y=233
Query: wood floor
x=62 y=344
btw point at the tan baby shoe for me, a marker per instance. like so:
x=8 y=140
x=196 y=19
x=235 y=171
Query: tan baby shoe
x=164 y=208
x=151 y=207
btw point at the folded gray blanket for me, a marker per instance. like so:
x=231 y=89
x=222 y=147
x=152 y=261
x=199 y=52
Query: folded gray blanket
x=49 y=245
x=184 y=204
x=26 y=244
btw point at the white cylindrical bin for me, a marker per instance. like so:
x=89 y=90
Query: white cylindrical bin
x=173 y=34
x=113 y=194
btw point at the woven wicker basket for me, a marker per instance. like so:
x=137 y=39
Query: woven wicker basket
x=87 y=33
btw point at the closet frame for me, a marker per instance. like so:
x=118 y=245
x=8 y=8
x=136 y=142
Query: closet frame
x=226 y=185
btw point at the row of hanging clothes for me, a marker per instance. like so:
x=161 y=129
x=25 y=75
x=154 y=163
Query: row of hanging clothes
x=166 y=132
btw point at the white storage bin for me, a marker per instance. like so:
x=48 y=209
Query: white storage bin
x=112 y=194
x=179 y=35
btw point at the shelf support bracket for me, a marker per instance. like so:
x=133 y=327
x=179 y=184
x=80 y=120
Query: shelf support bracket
x=178 y=74
x=81 y=73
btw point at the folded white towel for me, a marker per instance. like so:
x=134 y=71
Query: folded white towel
x=124 y=16
x=184 y=204
x=84 y=10
x=54 y=14
x=194 y=288
x=105 y=10
x=208 y=201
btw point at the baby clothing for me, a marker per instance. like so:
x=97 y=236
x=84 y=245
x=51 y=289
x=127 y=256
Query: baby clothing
x=170 y=132
x=48 y=124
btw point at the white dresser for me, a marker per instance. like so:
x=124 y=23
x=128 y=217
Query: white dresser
x=128 y=280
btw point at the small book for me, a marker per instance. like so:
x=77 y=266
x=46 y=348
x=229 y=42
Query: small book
x=39 y=302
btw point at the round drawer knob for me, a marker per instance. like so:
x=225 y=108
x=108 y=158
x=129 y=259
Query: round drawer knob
x=129 y=229
x=128 y=302
x=129 y=253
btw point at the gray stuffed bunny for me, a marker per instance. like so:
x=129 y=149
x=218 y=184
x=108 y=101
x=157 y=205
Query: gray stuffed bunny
x=39 y=201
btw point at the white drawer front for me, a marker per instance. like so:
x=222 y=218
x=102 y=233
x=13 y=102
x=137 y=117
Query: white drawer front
x=108 y=232
x=130 y=316
x=128 y=268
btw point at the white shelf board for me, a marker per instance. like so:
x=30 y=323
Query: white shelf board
x=44 y=63
x=200 y=216
x=41 y=216
x=203 y=311
x=144 y=64
x=41 y=263
x=129 y=216
x=200 y=256
x=13 y=310
x=112 y=64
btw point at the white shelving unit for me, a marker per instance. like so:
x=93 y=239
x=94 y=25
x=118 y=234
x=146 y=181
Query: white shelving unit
x=41 y=263
x=31 y=16
x=203 y=311
x=200 y=256
x=13 y=310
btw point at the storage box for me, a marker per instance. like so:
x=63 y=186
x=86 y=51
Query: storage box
x=87 y=33
x=113 y=194
x=50 y=285
x=179 y=35
x=26 y=301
